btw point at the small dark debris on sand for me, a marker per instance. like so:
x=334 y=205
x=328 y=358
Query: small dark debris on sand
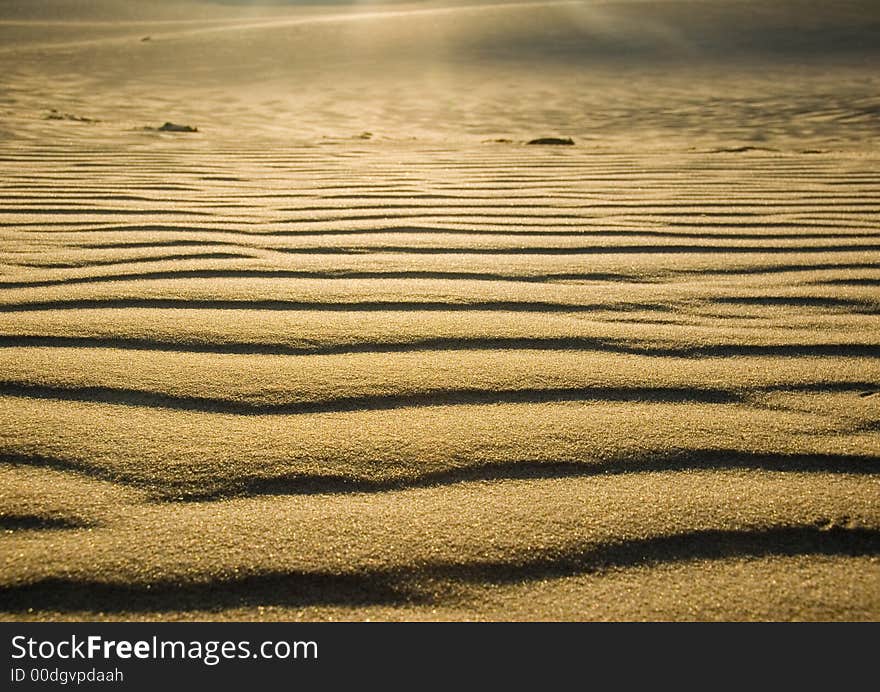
x=566 y=141
x=58 y=115
x=741 y=150
x=500 y=140
x=172 y=127
x=146 y=38
x=365 y=135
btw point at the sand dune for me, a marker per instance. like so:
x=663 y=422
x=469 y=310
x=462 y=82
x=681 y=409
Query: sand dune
x=355 y=350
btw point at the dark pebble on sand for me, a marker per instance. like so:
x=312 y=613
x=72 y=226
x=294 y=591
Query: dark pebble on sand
x=552 y=140
x=171 y=127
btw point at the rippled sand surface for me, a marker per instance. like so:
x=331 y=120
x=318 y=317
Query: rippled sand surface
x=354 y=350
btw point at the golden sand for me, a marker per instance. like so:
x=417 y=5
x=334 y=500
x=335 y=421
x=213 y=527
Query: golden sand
x=354 y=350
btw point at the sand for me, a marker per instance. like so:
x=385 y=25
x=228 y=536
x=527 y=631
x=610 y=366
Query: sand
x=353 y=349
